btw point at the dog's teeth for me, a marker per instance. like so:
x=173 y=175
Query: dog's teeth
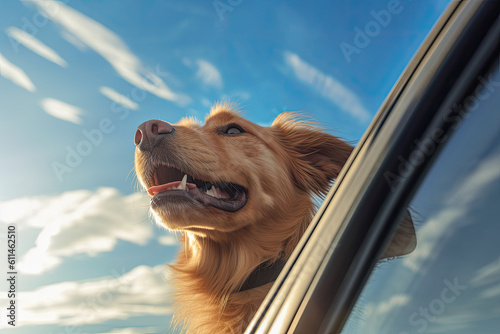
x=212 y=192
x=182 y=186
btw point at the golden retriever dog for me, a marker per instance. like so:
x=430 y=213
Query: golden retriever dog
x=239 y=195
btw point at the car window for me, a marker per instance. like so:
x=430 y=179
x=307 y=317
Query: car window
x=450 y=283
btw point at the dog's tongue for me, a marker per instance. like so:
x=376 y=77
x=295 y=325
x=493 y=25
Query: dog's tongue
x=172 y=185
x=162 y=187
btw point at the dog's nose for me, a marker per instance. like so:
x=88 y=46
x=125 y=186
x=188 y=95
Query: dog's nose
x=150 y=133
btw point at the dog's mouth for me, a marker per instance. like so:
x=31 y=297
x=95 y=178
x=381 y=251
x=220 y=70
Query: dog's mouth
x=225 y=196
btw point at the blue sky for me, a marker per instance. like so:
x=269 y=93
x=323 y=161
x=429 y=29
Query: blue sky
x=78 y=77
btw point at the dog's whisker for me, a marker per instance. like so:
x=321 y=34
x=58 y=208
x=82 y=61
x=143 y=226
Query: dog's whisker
x=145 y=220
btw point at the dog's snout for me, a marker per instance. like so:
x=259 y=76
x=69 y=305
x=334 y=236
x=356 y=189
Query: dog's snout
x=150 y=133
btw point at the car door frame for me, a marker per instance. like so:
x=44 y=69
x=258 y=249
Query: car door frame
x=320 y=283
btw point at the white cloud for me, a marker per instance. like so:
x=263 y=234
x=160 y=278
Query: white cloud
x=77 y=222
x=488 y=276
x=493 y=292
x=13 y=73
x=168 y=240
x=139 y=292
x=113 y=95
x=30 y=42
x=327 y=86
x=473 y=187
x=464 y=318
x=38 y=260
x=458 y=203
x=490 y=273
x=62 y=110
x=435 y=229
x=40 y=211
x=110 y=46
x=387 y=306
x=208 y=74
x=367 y=318
x=74 y=41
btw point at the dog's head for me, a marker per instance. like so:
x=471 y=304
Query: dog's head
x=230 y=173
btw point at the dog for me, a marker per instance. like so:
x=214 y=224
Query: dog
x=241 y=196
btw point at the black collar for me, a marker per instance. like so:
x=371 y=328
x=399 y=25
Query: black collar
x=265 y=273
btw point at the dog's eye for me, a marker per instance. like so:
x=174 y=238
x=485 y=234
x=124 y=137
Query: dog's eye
x=232 y=129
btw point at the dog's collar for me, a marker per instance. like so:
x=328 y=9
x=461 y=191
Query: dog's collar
x=265 y=273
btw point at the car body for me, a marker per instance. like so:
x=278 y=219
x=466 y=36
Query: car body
x=432 y=147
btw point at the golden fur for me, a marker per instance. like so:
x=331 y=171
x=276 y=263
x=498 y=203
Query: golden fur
x=282 y=166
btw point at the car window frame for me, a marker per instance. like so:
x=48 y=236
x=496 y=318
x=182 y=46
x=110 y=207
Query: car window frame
x=321 y=281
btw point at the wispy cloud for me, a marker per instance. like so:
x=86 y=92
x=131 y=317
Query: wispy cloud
x=139 y=292
x=464 y=318
x=488 y=277
x=458 y=203
x=110 y=46
x=208 y=73
x=327 y=86
x=386 y=306
x=62 y=110
x=30 y=42
x=70 y=38
x=113 y=95
x=487 y=274
x=368 y=318
x=77 y=222
x=13 y=73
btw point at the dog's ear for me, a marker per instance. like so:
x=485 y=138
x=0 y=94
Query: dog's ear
x=404 y=240
x=315 y=158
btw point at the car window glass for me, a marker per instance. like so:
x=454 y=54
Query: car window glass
x=450 y=283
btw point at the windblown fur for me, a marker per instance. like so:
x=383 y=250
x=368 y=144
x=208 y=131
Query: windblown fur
x=281 y=166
